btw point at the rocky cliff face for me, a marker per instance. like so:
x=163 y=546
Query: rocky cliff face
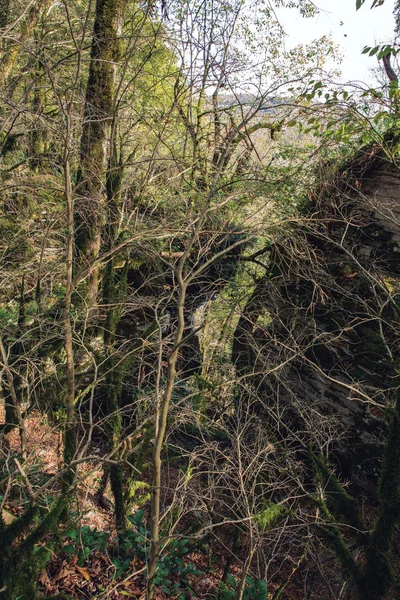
x=328 y=355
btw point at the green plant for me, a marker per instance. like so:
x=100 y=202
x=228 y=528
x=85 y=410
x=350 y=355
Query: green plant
x=136 y=493
x=269 y=514
x=135 y=542
x=172 y=570
x=84 y=541
x=255 y=589
x=121 y=565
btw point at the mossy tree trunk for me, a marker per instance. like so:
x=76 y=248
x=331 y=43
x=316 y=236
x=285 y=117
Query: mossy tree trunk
x=90 y=208
x=4 y=13
x=14 y=393
x=114 y=295
x=39 y=133
x=378 y=574
x=14 y=414
x=374 y=579
x=13 y=47
x=114 y=292
x=21 y=559
x=161 y=426
x=70 y=426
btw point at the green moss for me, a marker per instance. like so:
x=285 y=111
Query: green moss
x=21 y=562
x=117 y=486
x=114 y=292
x=343 y=506
x=4 y=13
x=69 y=454
x=333 y=535
x=269 y=514
x=376 y=582
x=136 y=493
x=99 y=105
x=373 y=582
x=378 y=574
x=11 y=532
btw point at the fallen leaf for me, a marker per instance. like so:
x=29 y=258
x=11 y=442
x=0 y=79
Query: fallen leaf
x=8 y=517
x=83 y=572
x=131 y=590
x=62 y=574
x=45 y=581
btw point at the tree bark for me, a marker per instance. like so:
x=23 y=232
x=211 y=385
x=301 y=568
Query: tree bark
x=98 y=113
x=70 y=428
x=14 y=399
x=13 y=48
x=4 y=13
x=161 y=425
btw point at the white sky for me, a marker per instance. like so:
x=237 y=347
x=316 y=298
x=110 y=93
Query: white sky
x=365 y=27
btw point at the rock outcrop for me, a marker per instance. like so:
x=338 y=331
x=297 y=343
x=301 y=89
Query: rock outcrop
x=321 y=331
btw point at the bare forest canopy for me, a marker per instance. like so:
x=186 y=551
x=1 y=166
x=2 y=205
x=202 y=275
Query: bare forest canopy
x=199 y=306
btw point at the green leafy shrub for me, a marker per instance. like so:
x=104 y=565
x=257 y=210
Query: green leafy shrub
x=136 y=541
x=172 y=570
x=254 y=589
x=84 y=540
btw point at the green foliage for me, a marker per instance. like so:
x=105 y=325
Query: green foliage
x=255 y=589
x=136 y=541
x=84 y=541
x=157 y=179
x=9 y=313
x=121 y=566
x=359 y=3
x=380 y=51
x=172 y=569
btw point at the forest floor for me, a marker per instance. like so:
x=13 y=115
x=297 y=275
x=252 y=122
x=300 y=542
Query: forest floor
x=89 y=568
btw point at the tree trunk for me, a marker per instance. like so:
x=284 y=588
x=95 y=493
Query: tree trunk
x=99 y=106
x=4 y=13
x=70 y=428
x=378 y=573
x=13 y=48
x=39 y=134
